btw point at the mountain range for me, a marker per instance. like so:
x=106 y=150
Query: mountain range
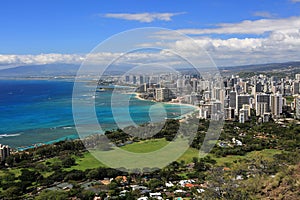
x=50 y=70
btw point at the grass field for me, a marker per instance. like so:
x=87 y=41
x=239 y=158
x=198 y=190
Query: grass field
x=155 y=144
x=146 y=146
x=87 y=161
x=189 y=154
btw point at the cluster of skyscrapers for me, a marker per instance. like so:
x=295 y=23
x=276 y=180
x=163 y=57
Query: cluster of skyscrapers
x=233 y=98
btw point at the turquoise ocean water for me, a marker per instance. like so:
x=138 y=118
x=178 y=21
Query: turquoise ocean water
x=40 y=111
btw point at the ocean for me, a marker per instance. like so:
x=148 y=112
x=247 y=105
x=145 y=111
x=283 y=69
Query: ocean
x=40 y=111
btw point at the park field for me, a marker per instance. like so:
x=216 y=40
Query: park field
x=146 y=146
x=88 y=161
x=155 y=144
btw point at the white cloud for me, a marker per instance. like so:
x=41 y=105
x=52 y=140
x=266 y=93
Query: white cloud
x=264 y=14
x=279 y=43
x=260 y=26
x=279 y=46
x=94 y=59
x=295 y=1
x=40 y=59
x=143 y=17
x=277 y=40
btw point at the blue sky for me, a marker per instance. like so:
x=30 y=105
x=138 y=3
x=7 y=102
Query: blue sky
x=75 y=27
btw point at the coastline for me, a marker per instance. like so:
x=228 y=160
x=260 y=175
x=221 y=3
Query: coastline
x=73 y=136
x=181 y=117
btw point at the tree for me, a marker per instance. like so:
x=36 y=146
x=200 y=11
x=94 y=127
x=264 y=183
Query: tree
x=68 y=161
x=93 y=174
x=75 y=175
x=10 y=161
x=13 y=192
x=52 y=195
x=29 y=175
x=201 y=166
x=86 y=195
x=9 y=176
x=154 y=183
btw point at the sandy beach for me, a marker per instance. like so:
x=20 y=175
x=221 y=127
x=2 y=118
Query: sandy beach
x=182 y=117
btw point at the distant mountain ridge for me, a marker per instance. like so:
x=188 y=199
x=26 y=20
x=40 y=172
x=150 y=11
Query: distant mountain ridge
x=41 y=70
x=50 y=70
x=261 y=67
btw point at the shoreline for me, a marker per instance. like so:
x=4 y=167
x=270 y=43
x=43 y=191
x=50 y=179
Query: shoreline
x=196 y=108
x=181 y=118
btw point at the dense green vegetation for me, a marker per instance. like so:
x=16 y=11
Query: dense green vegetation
x=265 y=164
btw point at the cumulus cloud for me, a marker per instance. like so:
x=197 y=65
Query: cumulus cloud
x=264 y=14
x=278 y=40
x=94 y=59
x=40 y=59
x=279 y=46
x=260 y=26
x=143 y=17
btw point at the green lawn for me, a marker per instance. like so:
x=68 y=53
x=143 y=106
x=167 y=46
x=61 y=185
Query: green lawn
x=189 y=154
x=266 y=154
x=155 y=144
x=88 y=161
x=52 y=160
x=146 y=146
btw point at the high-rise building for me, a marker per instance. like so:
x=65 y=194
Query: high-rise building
x=241 y=100
x=276 y=105
x=154 y=79
x=4 y=152
x=233 y=81
x=297 y=76
x=297 y=107
x=242 y=116
x=258 y=87
x=204 y=85
x=296 y=85
x=180 y=83
x=134 y=79
x=194 y=84
x=162 y=94
x=261 y=108
x=147 y=79
x=217 y=94
x=247 y=108
x=262 y=103
x=246 y=87
x=232 y=99
x=205 y=111
x=141 y=79
x=229 y=113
